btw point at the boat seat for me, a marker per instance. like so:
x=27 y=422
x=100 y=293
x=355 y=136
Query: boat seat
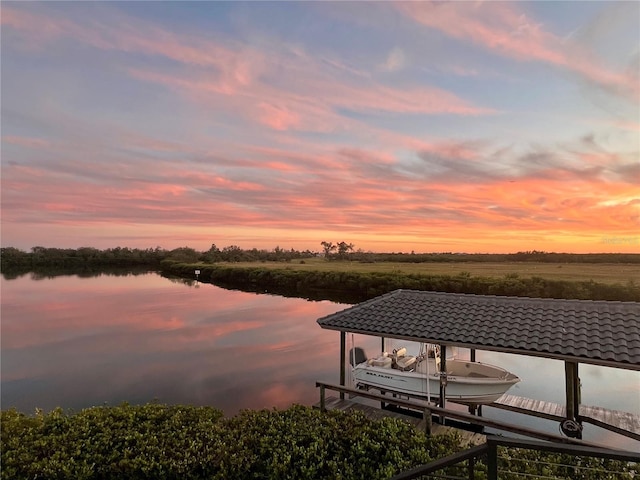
x=382 y=361
x=406 y=363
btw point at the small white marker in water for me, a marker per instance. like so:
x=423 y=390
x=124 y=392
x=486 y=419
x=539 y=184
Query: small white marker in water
x=197 y=273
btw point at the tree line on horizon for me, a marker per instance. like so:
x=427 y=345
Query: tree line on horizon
x=39 y=256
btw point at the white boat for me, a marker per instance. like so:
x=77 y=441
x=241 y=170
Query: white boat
x=467 y=382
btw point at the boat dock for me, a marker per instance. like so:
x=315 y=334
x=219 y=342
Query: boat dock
x=376 y=413
x=426 y=414
x=624 y=423
x=558 y=329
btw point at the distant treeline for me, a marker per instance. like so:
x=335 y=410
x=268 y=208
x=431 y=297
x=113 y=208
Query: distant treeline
x=39 y=258
x=68 y=258
x=349 y=287
x=355 y=287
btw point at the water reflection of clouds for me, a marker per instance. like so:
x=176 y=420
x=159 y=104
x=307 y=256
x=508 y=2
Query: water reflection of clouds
x=110 y=339
x=596 y=385
x=79 y=342
x=52 y=318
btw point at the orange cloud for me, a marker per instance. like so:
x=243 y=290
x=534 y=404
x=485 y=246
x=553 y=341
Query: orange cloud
x=426 y=198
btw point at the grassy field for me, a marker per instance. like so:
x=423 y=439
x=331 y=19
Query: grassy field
x=598 y=272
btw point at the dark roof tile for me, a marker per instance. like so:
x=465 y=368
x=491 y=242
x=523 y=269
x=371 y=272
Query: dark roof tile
x=599 y=332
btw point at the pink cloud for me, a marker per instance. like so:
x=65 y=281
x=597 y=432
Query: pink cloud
x=29 y=142
x=384 y=195
x=400 y=100
x=234 y=73
x=278 y=118
x=628 y=125
x=113 y=31
x=501 y=28
x=314 y=106
x=379 y=184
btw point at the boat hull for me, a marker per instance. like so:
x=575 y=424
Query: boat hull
x=468 y=382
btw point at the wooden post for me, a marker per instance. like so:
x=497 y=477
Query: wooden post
x=477 y=409
x=443 y=377
x=474 y=409
x=322 y=406
x=572 y=389
x=426 y=414
x=343 y=337
x=382 y=404
x=579 y=391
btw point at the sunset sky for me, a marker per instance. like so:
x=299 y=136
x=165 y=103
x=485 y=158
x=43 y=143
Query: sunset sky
x=432 y=127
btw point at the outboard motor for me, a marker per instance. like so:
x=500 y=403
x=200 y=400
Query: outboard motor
x=358 y=355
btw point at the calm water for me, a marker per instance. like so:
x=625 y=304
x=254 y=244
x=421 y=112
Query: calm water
x=77 y=342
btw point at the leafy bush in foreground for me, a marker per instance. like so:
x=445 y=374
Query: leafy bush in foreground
x=169 y=442
x=159 y=441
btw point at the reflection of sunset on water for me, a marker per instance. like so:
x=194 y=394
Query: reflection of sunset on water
x=130 y=335
x=75 y=342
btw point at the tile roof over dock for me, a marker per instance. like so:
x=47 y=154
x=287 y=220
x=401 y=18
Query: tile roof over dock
x=585 y=331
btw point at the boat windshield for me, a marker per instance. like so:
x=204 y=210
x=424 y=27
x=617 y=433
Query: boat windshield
x=417 y=348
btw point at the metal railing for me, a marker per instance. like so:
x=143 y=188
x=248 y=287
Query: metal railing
x=502 y=458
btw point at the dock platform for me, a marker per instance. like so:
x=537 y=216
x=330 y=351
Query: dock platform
x=375 y=413
x=624 y=423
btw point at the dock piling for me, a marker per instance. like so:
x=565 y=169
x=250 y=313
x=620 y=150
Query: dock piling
x=343 y=338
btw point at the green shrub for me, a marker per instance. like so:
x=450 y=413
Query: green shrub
x=303 y=443
x=181 y=442
x=149 y=441
x=159 y=441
